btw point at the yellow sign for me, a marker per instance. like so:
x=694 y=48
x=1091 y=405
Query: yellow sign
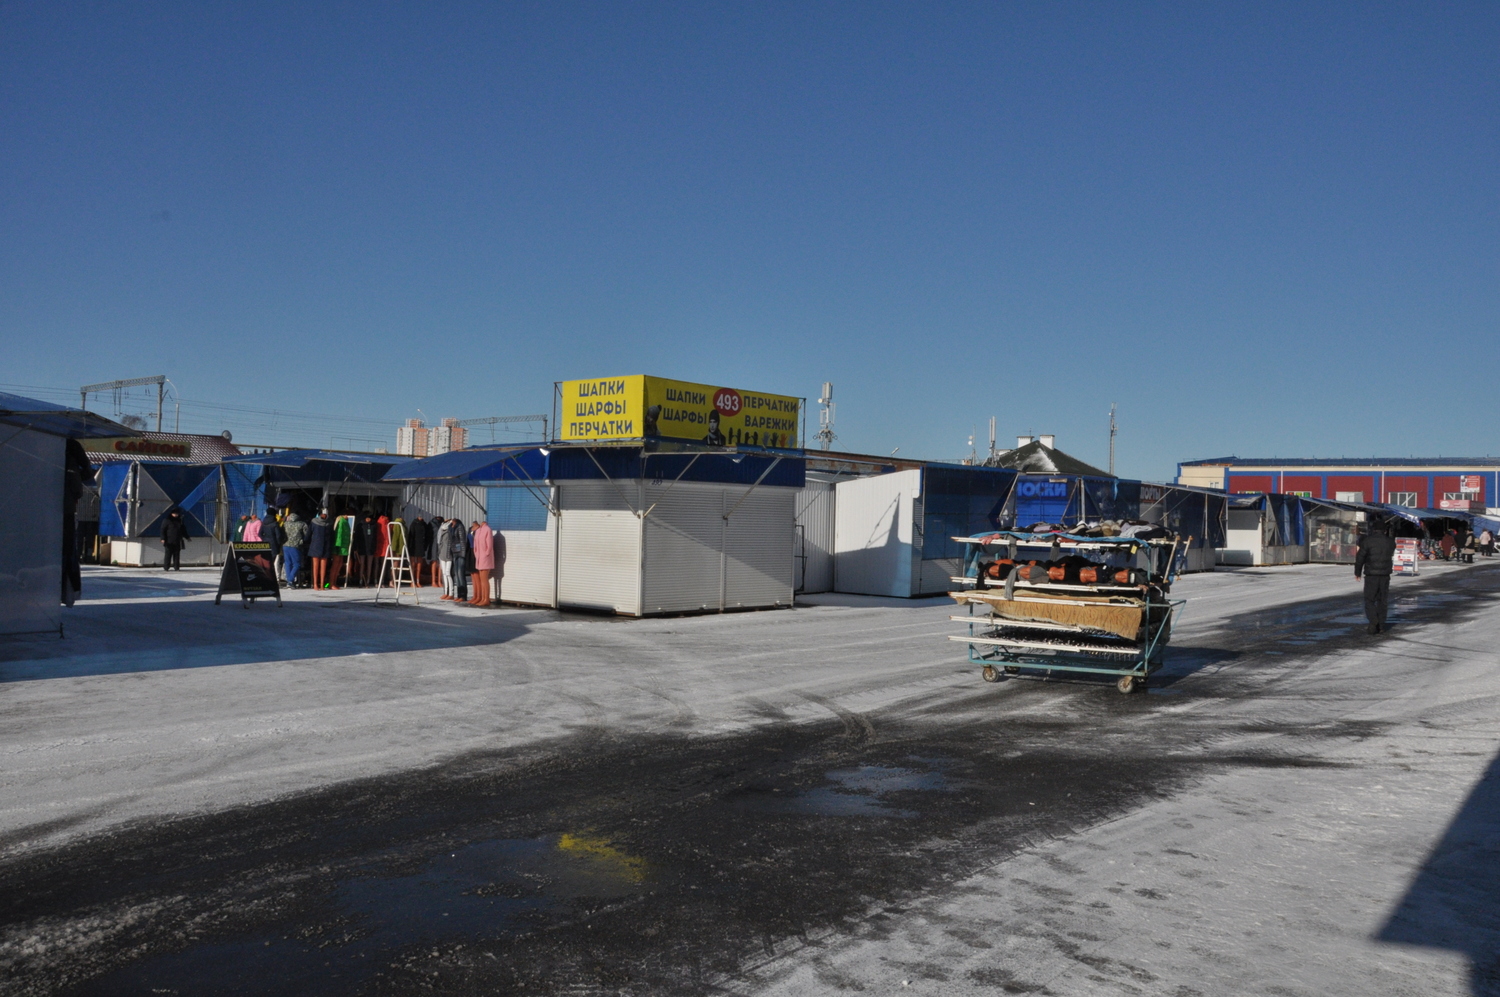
x=636 y=407
x=139 y=445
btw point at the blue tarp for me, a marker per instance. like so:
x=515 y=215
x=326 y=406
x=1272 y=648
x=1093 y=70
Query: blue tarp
x=183 y=485
x=595 y=463
x=958 y=500
x=509 y=464
x=112 y=513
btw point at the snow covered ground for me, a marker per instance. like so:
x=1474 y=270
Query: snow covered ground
x=1365 y=787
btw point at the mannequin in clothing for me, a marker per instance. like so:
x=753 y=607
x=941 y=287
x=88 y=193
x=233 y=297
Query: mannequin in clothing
x=416 y=547
x=320 y=548
x=484 y=564
x=458 y=543
x=444 y=562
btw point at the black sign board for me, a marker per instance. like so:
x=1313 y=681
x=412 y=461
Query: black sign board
x=250 y=573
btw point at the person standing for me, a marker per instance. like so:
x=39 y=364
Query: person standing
x=174 y=536
x=295 y=531
x=320 y=548
x=1487 y=543
x=1374 y=559
x=78 y=474
x=270 y=533
x=1447 y=544
x=483 y=544
x=252 y=529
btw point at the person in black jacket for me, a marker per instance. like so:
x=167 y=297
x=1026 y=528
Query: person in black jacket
x=78 y=474
x=174 y=536
x=1377 y=552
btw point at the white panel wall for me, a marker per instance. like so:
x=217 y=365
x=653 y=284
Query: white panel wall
x=529 y=572
x=815 y=508
x=599 y=546
x=31 y=485
x=872 y=540
x=758 y=546
x=683 y=536
x=1244 y=540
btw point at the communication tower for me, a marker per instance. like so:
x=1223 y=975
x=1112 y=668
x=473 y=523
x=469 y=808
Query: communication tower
x=825 y=435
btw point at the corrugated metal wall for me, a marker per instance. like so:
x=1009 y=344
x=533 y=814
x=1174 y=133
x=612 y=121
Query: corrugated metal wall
x=872 y=544
x=815 y=510
x=683 y=536
x=599 y=546
x=758 y=546
x=464 y=503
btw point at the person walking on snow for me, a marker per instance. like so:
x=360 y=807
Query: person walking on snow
x=174 y=536
x=1374 y=560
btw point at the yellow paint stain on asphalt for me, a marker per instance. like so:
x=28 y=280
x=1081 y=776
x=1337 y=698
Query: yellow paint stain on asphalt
x=628 y=867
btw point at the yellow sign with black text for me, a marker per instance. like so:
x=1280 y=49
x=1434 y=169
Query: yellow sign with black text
x=638 y=407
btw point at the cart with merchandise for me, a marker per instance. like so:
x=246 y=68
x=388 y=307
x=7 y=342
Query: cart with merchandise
x=1059 y=603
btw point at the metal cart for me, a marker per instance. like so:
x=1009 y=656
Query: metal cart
x=1005 y=642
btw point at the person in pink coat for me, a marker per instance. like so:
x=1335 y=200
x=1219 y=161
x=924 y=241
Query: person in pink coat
x=252 y=529
x=484 y=563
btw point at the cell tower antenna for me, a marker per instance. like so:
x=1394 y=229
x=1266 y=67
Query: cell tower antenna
x=993 y=452
x=825 y=435
x=1112 y=429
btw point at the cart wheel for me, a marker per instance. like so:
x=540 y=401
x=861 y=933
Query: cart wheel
x=989 y=673
x=1126 y=684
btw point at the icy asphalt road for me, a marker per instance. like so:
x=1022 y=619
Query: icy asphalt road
x=339 y=798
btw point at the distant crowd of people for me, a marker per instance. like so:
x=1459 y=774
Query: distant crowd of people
x=332 y=552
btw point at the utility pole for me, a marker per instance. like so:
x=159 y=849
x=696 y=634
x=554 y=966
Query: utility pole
x=825 y=435
x=993 y=452
x=1112 y=428
x=160 y=380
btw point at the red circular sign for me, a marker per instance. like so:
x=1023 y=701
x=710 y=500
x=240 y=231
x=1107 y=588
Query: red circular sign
x=727 y=401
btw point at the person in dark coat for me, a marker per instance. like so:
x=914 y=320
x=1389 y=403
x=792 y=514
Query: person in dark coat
x=78 y=474
x=174 y=536
x=1374 y=560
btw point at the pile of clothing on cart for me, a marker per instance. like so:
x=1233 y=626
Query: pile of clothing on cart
x=1136 y=528
x=1072 y=569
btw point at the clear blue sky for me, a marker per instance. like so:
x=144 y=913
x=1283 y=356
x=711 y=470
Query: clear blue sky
x=1266 y=229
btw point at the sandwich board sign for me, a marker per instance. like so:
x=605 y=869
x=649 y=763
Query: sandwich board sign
x=1405 y=561
x=250 y=573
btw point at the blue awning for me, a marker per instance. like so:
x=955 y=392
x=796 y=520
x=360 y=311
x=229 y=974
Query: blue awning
x=57 y=420
x=300 y=458
x=510 y=464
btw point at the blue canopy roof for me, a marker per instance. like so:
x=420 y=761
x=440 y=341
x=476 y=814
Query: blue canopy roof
x=57 y=420
x=300 y=458
x=508 y=464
